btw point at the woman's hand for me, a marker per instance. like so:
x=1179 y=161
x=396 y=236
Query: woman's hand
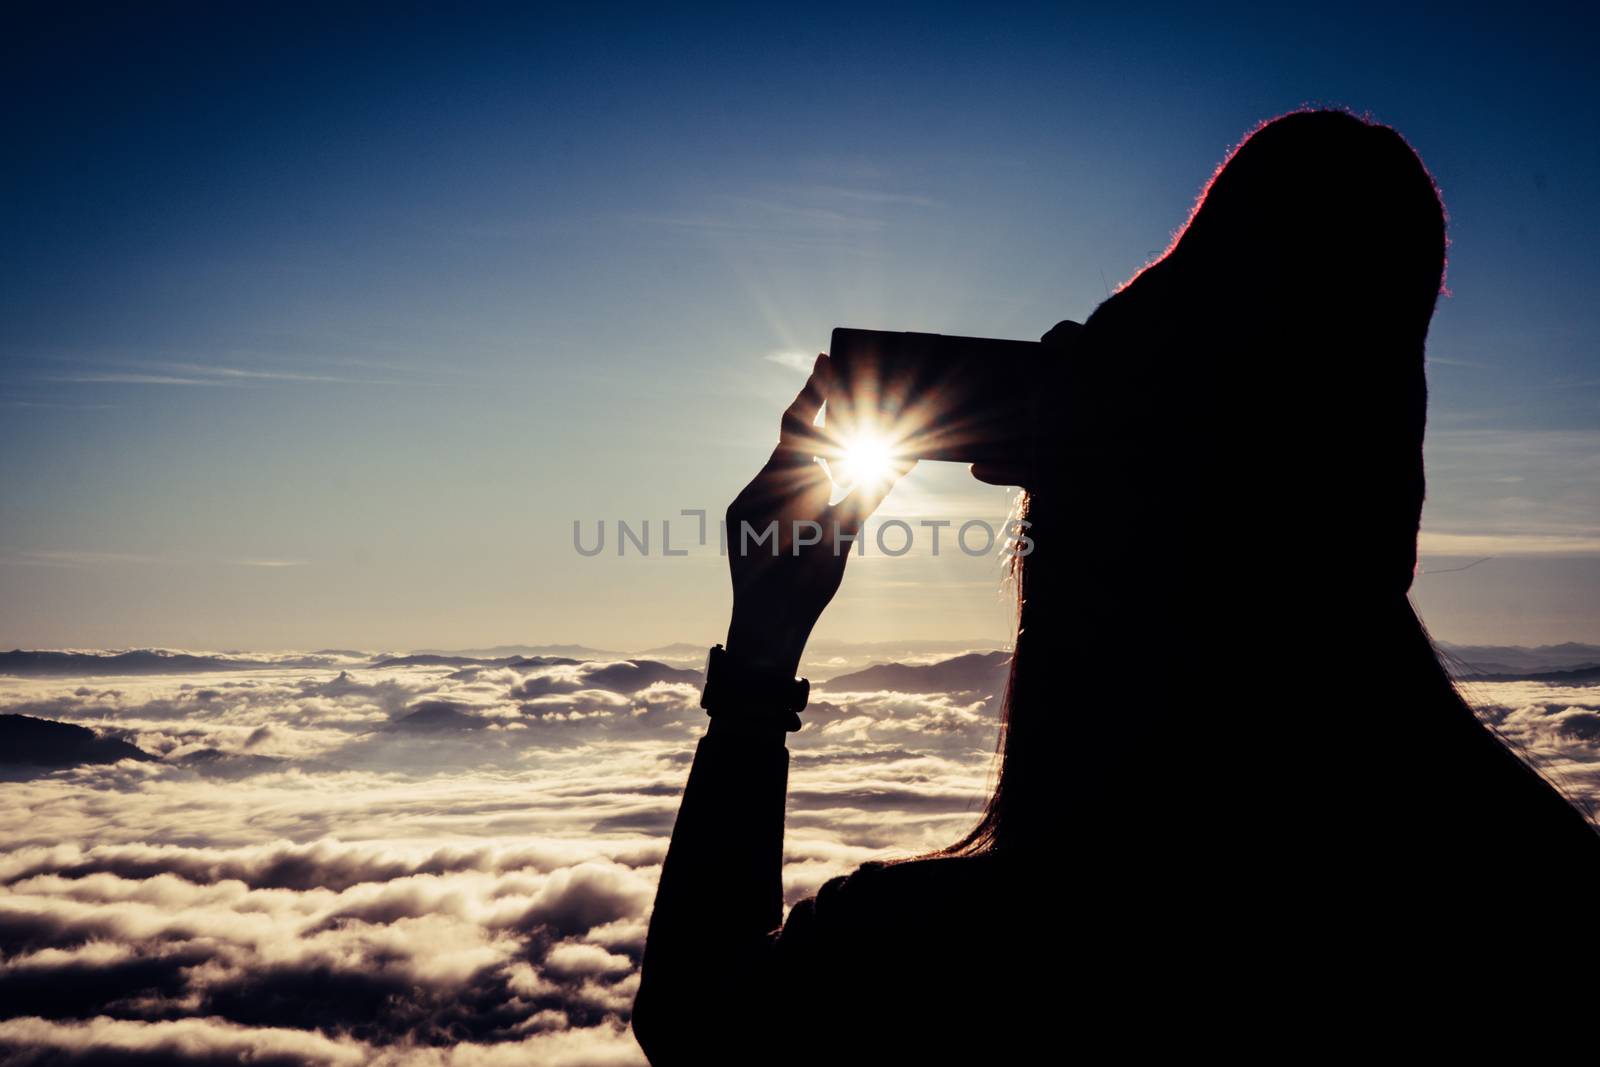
x=1058 y=344
x=782 y=582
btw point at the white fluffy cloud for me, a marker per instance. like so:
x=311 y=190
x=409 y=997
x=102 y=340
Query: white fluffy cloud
x=410 y=865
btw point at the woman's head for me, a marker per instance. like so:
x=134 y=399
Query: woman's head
x=1256 y=398
x=1269 y=366
x=1320 y=197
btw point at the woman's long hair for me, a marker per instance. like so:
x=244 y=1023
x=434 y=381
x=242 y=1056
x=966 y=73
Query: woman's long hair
x=1214 y=638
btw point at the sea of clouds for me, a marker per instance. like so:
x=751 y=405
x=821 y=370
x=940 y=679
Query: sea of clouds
x=446 y=864
x=354 y=864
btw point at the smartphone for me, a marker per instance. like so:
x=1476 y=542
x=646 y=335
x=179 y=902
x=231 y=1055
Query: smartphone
x=929 y=396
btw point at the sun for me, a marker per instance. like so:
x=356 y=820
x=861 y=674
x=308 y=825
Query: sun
x=866 y=459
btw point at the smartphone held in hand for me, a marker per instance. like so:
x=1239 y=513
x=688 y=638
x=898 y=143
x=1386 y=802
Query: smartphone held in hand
x=931 y=396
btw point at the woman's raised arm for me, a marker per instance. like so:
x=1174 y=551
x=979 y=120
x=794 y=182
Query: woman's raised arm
x=714 y=970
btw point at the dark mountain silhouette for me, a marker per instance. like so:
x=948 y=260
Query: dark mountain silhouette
x=1480 y=660
x=975 y=672
x=897 y=648
x=140 y=661
x=842 y=654
x=1476 y=662
x=430 y=659
x=47 y=743
x=135 y=661
x=581 y=652
x=1581 y=676
x=214 y=763
x=630 y=676
x=679 y=650
x=435 y=717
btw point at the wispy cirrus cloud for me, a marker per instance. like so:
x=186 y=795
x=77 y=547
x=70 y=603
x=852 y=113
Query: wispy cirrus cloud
x=71 y=558
x=243 y=374
x=791 y=216
x=128 y=378
x=205 y=375
x=1512 y=493
x=801 y=362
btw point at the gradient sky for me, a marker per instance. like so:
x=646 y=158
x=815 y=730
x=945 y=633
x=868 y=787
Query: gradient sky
x=322 y=330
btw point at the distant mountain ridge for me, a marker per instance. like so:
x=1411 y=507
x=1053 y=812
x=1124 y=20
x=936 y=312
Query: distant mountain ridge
x=983 y=672
x=35 y=742
x=903 y=664
x=523 y=651
x=1581 y=676
x=1474 y=660
x=436 y=717
x=138 y=661
x=435 y=660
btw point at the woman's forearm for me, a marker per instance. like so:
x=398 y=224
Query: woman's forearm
x=705 y=979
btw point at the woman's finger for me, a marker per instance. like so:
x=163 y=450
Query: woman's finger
x=1001 y=473
x=792 y=482
x=797 y=431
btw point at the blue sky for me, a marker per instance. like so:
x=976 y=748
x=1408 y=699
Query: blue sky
x=323 y=330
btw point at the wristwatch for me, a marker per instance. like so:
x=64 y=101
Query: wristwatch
x=736 y=687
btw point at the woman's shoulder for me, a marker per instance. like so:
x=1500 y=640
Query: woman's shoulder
x=902 y=892
x=938 y=868
x=899 y=933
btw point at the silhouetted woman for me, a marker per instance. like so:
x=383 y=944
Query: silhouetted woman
x=1239 y=801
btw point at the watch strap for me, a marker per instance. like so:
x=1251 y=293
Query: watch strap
x=735 y=687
